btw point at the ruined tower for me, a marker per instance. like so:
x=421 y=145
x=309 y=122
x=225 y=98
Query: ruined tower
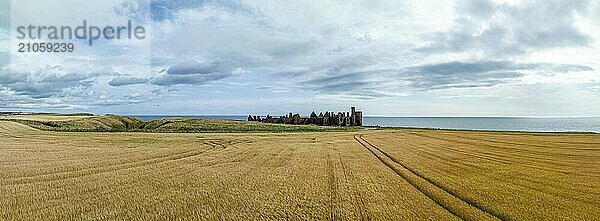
x=356 y=117
x=352 y=116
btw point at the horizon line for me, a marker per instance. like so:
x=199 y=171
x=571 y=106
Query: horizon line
x=381 y=116
x=245 y=115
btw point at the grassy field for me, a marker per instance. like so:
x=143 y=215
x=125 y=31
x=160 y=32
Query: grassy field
x=114 y=123
x=400 y=174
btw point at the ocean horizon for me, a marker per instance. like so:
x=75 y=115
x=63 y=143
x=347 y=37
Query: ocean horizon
x=530 y=124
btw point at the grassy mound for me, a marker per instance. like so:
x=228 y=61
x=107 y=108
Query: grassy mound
x=114 y=123
x=189 y=125
x=108 y=123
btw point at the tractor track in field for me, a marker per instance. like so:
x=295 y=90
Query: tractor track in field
x=112 y=168
x=113 y=156
x=333 y=187
x=455 y=204
x=517 y=152
x=544 y=145
x=357 y=198
x=428 y=154
x=120 y=186
x=498 y=157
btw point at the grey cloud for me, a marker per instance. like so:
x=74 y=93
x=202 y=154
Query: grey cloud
x=361 y=84
x=278 y=89
x=43 y=90
x=11 y=78
x=116 y=102
x=346 y=82
x=194 y=67
x=528 y=26
x=167 y=9
x=194 y=73
x=548 y=69
x=483 y=9
x=4 y=58
x=127 y=80
x=342 y=65
x=187 y=72
x=4 y=34
x=464 y=68
x=479 y=74
x=44 y=86
x=392 y=82
x=191 y=79
x=5 y=14
x=463 y=75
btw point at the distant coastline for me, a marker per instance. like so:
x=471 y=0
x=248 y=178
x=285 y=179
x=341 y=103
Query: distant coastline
x=527 y=124
x=512 y=124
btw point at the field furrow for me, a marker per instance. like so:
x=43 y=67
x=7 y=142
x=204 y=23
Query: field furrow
x=111 y=168
x=464 y=208
x=496 y=177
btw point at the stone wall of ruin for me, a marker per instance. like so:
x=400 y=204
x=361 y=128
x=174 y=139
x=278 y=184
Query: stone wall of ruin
x=342 y=119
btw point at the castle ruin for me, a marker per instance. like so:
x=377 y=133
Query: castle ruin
x=352 y=118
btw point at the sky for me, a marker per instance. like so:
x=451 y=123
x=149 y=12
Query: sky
x=387 y=57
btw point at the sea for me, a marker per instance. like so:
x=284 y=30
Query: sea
x=531 y=124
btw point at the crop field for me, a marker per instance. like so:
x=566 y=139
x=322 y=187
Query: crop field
x=391 y=174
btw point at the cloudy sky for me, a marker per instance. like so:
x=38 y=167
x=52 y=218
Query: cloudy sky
x=389 y=58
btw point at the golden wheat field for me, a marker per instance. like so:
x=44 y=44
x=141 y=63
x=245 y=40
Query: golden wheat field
x=391 y=174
